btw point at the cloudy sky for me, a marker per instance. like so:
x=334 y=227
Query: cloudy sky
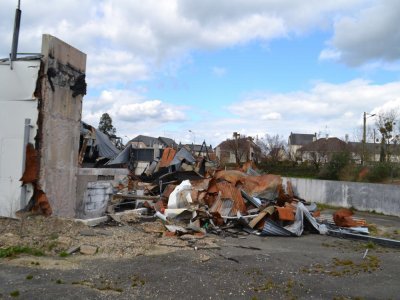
x=202 y=69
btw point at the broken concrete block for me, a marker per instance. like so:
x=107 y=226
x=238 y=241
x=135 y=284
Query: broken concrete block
x=73 y=249
x=64 y=241
x=88 y=249
x=93 y=222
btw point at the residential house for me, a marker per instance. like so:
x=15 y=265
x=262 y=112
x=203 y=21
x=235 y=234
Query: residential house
x=321 y=150
x=143 y=141
x=167 y=142
x=142 y=151
x=298 y=140
x=373 y=152
x=238 y=150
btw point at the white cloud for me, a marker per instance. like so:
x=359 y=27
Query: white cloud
x=338 y=107
x=153 y=109
x=132 y=113
x=370 y=35
x=325 y=107
x=271 y=116
x=329 y=54
x=108 y=67
x=147 y=34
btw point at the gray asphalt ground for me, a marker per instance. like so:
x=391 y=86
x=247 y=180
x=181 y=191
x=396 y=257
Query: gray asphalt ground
x=249 y=267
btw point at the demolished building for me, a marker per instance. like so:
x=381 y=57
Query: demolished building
x=41 y=108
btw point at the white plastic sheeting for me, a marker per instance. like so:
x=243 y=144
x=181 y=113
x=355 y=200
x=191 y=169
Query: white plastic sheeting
x=180 y=197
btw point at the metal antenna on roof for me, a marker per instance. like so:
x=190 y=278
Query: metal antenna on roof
x=17 y=23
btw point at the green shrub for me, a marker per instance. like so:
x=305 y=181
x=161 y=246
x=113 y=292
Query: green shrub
x=382 y=171
x=332 y=169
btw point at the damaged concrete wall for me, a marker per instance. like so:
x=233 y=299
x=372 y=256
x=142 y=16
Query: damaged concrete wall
x=88 y=176
x=17 y=104
x=382 y=198
x=60 y=116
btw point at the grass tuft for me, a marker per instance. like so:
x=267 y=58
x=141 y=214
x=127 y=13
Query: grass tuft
x=15 y=250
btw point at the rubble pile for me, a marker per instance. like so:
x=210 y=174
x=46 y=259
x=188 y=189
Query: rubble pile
x=191 y=196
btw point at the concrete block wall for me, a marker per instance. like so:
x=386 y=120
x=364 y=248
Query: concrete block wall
x=96 y=198
x=382 y=198
x=86 y=178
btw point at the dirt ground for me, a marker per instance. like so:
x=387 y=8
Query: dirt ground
x=136 y=260
x=55 y=236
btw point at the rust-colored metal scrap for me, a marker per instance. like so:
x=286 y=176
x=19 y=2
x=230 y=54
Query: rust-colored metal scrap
x=31 y=172
x=343 y=218
x=167 y=156
x=229 y=191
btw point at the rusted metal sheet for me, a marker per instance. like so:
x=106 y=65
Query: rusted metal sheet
x=262 y=185
x=31 y=172
x=41 y=202
x=285 y=213
x=343 y=218
x=167 y=156
x=223 y=207
x=228 y=191
x=259 y=185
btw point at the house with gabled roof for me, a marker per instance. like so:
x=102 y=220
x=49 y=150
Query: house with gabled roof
x=322 y=150
x=142 y=141
x=298 y=140
x=238 y=150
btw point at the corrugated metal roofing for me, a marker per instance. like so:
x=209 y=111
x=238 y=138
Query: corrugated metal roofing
x=223 y=207
x=274 y=229
x=229 y=191
x=104 y=145
x=122 y=157
x=182 y=154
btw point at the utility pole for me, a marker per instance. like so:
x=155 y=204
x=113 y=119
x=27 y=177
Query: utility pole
x=236 y=136
x=365 y=135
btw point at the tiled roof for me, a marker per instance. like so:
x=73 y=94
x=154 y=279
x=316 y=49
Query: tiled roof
x=148 y=140
x=332 y=144
x=300 y=138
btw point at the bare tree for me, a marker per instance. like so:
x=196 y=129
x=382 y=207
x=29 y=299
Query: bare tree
x=273 y=146
x=240 y=146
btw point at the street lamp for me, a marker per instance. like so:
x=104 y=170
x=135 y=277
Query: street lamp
x=365 y=134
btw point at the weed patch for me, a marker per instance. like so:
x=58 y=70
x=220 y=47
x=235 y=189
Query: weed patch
x=15 y=250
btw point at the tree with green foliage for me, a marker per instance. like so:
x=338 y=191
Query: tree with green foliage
x=106 y=126
x=386 y=125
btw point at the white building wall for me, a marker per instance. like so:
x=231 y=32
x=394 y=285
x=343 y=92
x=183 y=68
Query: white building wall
x=17 y=103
